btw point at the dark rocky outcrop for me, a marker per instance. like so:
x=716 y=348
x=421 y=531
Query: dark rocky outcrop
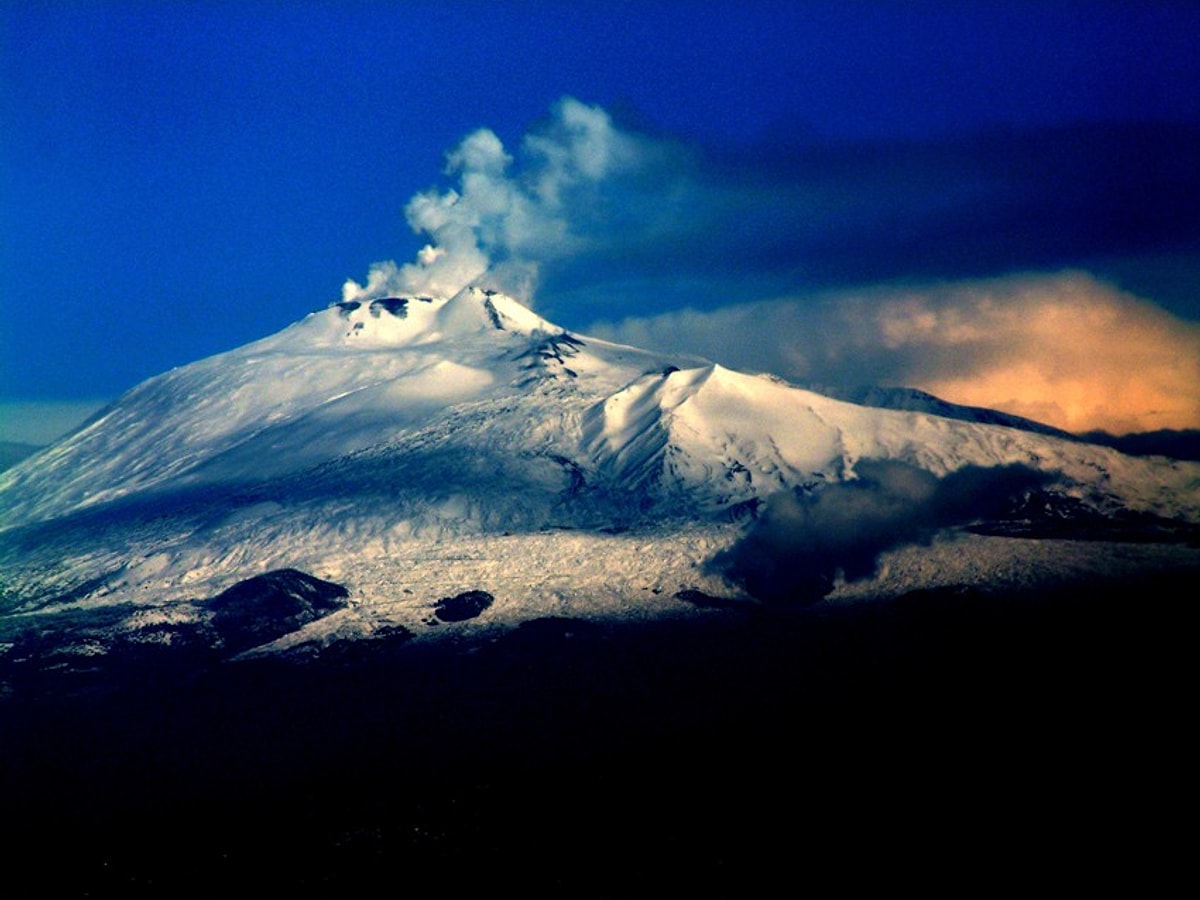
x=493 y=313
x=396 y=306
x=463 y=606
x=268 y=606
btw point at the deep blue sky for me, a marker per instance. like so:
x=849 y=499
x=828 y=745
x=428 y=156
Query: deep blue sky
x=178 y=178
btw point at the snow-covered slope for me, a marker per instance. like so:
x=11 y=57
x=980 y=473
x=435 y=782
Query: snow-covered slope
x=411 y=448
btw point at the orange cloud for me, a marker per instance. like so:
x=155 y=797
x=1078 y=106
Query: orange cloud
x=1065 y=349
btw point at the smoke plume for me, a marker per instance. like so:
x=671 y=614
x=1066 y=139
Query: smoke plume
x=802 y=541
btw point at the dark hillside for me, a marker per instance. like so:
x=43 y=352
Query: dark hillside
x=1011 y=733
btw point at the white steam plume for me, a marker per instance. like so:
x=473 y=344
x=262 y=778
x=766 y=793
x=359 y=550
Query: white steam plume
x=497 y=225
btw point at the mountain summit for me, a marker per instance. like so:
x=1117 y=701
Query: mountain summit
x=414 y=449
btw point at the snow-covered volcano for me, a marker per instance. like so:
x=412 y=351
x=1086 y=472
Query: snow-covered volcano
x=412 y=448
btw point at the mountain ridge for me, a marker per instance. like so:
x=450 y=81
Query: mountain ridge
x=418 y=448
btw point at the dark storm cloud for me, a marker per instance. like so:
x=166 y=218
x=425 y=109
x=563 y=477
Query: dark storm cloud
x=813 y=214
x=802 y=540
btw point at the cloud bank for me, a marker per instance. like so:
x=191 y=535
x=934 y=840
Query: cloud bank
x=1064 y=349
